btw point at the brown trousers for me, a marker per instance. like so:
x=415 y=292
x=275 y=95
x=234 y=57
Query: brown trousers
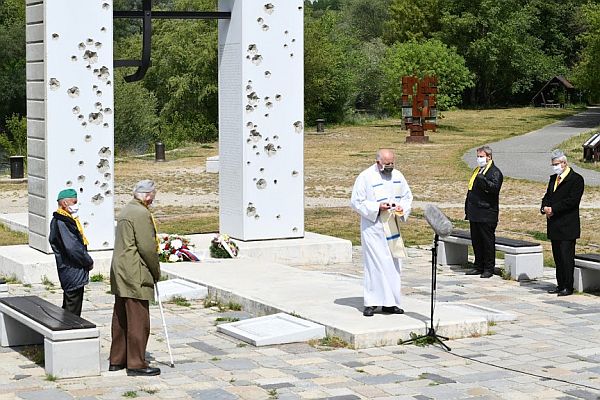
x=130 y=331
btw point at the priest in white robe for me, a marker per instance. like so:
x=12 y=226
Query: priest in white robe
x=383 y=199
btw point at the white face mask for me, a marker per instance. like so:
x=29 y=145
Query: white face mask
x=482 y=161
x=558 y=169
x=74 y=209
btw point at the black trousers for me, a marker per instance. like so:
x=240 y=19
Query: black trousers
x=483 y=238
x=73 y=300
x=563 y=252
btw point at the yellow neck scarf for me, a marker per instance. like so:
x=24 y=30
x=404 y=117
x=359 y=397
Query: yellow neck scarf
x=156 y=238
x=476 y=171
x=79 y=227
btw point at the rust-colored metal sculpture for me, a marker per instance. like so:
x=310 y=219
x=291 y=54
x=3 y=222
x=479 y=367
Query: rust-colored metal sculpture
x=419 y=107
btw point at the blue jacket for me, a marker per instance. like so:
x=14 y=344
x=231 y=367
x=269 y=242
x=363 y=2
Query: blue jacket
x=72 y=258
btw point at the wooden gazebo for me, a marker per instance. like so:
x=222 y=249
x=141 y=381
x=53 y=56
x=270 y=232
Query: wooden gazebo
x=555 y=93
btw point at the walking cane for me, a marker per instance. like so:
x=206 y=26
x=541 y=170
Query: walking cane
x=162 y=315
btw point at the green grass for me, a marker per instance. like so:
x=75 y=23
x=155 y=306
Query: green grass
x=538 y=235
x=47 y=282
x=573 y=147
x=132 y=394
x=51 y=378
x=233 y=306
x=180 y=301
x=97 y=278
x=273 y=394
x=419 y=341
x=225 y=319
x=149 y=391
x=34 y=353
x=329 y=341
x=8 y=237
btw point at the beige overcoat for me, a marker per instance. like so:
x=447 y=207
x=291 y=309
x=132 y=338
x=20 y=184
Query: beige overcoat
x=135 y=266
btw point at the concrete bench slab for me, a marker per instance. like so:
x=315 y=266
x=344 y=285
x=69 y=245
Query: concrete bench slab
x=71 y=344
x=587 y=272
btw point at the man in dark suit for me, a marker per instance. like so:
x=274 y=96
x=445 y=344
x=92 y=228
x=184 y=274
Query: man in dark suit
x=561 y=207
x=481 y=209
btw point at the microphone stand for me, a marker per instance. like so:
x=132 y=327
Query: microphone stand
x=431 y=331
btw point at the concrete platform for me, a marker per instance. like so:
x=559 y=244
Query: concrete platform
x=15 y=222
x=30 y=266
x=334 y=301
x=313 y=249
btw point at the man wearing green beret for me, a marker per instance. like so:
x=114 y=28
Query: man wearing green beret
x=69 y=245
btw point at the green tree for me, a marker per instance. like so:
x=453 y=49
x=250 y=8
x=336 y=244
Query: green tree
x=328 y=78
x=412 y=19
x=12 y=58
x=365 y=19
x=367 y=71
x=13 y=140
x=586 y=74
x=430 y=57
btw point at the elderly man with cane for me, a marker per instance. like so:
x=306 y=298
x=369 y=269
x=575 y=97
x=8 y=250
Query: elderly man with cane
x=135 y=269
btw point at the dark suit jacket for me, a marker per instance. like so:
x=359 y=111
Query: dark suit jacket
x=564 y=224
x=482 y=200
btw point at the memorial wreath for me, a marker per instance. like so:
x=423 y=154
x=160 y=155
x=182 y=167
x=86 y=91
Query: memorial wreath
x=223 y=247
x=174 y=248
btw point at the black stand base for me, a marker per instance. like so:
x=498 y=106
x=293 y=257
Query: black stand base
x=434 y=336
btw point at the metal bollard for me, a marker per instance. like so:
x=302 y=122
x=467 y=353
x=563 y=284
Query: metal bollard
x=159 y=150
x=17 y=170
x=320 y=125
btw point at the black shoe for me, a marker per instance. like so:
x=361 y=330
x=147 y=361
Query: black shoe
x=565 y=292
x=474 y=271
x=143 y=372
x=555 y=290
x=392 y=310
x=369 y=311
x=115 y=367
x=486 y=274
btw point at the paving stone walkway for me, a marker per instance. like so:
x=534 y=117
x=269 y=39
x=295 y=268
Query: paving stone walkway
x=551 y=352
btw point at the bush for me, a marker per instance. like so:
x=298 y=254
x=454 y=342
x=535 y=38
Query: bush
x=14 y=139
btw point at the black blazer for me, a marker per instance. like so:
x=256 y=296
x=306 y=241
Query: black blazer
x=482 y=200
x=564 y=224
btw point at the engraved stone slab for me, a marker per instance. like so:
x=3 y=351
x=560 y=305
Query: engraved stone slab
x=179 y=287
x=273 y=329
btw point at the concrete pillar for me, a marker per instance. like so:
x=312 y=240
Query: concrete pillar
x=70 y=110
x=261 y=108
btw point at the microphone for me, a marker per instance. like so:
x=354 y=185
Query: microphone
x=438 y=221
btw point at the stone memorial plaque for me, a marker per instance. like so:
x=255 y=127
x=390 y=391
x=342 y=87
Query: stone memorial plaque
x=180 y=288
x=273 y=329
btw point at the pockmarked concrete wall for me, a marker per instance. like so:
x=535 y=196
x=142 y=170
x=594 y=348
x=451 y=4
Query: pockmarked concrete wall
x=261 y=128
x=70 y=107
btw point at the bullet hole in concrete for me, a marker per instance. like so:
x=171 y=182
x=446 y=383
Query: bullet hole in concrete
x=54 y=84
x=88 y=67
x=267 y=74
x=278 y=216
x=252 y=49
x=269 y=8
x=104 y=152
x=269 y=104
x=98 y=45
x=266 y=115
x=108 y=193
x=249 y=108
x=103 y=166
x=249 y=82
x=97 y=183
x=80 y=190
x=299 y=7
x=266 y=98
x=76 y=110
x=81 y=178
x=88 y=138
x=278 y=147
x=278 y=97
x=258 y=153
x=275 y=181
x=98 y=106
x=95 y=87
x=295 y=230
x=262 y=170
x=298 y=126
x=105 y=125
x=81 y=46
x=89 y=41
x=257 y=216
x=257 y=59
x=81 y=163
x=265 y=27
x=276 y=137
x=103 y=29
x=80 y=117
x=285 y=46
x=249 y=125
x=103 y=74
x=295 y=173
x=293 y=40
x=69 y=183
x=97 y=199
x=291 y=55
x=107 y=176
x=108 y=111
x=248 y=140
x=248 y=163
x=72 y=150
x=106 y=6
x=260 y=20
x=99 y=93
x=55 y=36
x=267 y=139
x=108 y=83
x=285 y=32
x=95 y=118
x=90 y=56
x=105 y=244
x=86 y=224
x=73 y=58
x=104 y=186
x=252 y=98
x=270 y=149
x=254 y=147
x=250 y=210
x=73 y=92
x=248 y=88
x=254 y=179
x=84 y=124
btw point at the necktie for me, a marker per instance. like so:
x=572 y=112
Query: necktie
x=558 y=180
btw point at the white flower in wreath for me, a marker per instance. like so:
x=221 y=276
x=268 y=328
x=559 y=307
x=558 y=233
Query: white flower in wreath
x=173 y=258
x=176 y=244
x=162 y=246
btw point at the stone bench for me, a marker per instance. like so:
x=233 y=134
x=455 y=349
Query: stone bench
x=71 y=344
x=524 y=260
x=587 y=272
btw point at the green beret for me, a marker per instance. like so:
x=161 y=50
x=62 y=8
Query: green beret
x=67 y=194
